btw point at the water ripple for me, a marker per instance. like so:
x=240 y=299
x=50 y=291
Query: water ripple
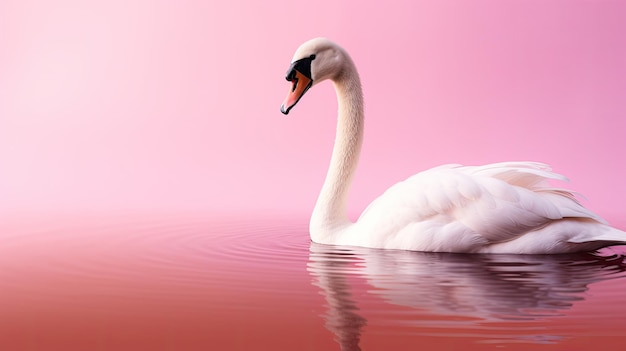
x=232 y=267
x=454 y=294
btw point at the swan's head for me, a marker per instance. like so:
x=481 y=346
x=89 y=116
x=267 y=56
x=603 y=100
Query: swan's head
x=314 y=61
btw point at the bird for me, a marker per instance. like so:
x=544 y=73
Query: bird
x=505 y=207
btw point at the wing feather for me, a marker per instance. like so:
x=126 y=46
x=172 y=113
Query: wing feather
x=497 y=202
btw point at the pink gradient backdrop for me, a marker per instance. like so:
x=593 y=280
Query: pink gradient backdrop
x=174 y=105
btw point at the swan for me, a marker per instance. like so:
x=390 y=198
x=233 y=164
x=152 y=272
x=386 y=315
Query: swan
x=506 y=207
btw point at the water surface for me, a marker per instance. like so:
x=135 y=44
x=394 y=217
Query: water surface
x=167 y=282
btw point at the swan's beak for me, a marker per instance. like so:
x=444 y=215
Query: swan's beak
x=299 y=74
x=300 y=84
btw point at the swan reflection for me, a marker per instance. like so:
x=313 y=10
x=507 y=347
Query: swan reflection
x=473 y=290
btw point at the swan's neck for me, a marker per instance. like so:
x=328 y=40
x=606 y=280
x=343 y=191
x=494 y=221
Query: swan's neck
x=330 y=213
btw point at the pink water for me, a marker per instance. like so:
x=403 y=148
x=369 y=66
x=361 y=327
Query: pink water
x=182 y=282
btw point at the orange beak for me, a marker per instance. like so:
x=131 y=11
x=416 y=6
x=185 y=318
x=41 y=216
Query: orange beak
x=300 y=84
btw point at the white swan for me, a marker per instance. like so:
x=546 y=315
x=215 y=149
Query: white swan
x=497 y=208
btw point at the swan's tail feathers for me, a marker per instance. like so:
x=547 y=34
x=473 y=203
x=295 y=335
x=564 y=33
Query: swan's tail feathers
x=601 y=234
x=530 y=175
x=572 y=195
x=535 y=176
x=568 y=205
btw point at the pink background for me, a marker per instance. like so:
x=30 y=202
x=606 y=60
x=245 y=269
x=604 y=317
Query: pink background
x=174 y=105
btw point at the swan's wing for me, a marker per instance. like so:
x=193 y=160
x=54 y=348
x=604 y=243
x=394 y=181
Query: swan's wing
x=491 y=204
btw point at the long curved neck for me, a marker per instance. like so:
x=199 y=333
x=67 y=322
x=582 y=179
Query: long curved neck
x=330 y=213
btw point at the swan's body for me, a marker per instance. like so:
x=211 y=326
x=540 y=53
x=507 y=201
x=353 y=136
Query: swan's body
x=496 y=208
